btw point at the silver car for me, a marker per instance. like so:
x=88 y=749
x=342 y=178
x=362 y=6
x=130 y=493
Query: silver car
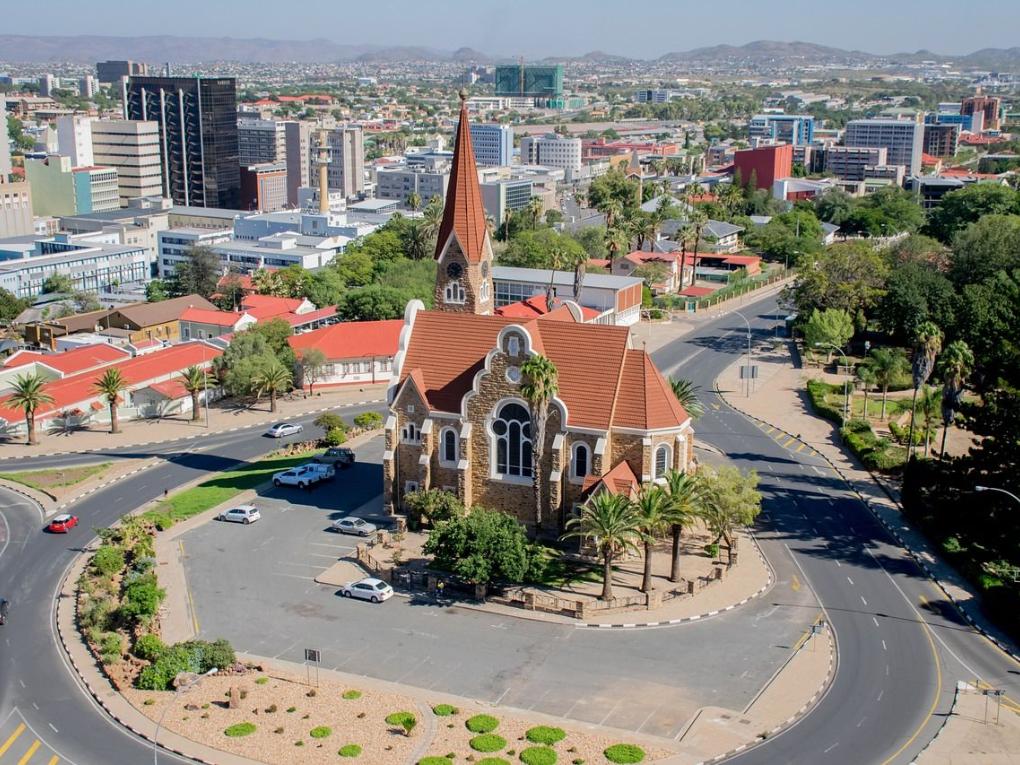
x=354 y=525
x=241 y=514
x=283 y=429
x=370 y=588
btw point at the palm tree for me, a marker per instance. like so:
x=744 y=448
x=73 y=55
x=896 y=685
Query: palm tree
x=109 y=387
x=578 y=260
x=926 y=347
x=415 y=241
x=867 y=377
x=608 y=522
x=28 y=394
x=534 y=210
x=273 y=379
x=643 y=228
x=697 y=222
x=686 y=393
x=957 y=363
x=929 y=405
x=540 y=383
x=888 y=364
x=195 y=380
x=686 y=238
x=683 y=508
x=652 y=510
x=266 y=282
x=615 y=239
x=432 y=218
x=413 y=201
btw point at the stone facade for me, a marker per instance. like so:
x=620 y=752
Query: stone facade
x=463 y=287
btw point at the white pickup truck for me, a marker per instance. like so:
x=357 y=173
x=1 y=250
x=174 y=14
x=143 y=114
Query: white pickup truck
x=305 y=475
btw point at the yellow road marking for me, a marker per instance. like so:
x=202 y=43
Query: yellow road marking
x=716 y=407
x=53 y=760
x=924 y=601
x=799 y=448
x=28 y=755
x=771 y=430
x=187 y=591
x=795 y=584
x=787 y=444
x=11 y=739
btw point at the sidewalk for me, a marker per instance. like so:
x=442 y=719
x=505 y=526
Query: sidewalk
x=223 y=417
x=971 y=735
x=780 y=400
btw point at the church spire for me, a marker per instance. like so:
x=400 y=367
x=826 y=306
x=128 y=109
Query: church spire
x=464 y=214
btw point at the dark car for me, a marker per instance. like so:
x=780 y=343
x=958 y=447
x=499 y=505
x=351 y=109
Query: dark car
x=339 y=456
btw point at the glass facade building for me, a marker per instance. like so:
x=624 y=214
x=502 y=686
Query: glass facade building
x=528 y=80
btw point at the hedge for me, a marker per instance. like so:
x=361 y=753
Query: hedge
x=817 y=393
x=875 y=453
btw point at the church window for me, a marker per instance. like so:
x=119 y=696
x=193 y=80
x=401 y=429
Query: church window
x=454 y=293
x=512 y=428
x=448 y=446
x=661 y=462
x=582 y=457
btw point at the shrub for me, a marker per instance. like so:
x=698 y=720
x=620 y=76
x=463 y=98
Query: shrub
x=330 y=421
x=487 y=742
x=485 y=546
x=219 y=654
x=108 y=560
x=482 y=724
x=444 y=710
x=321 y=731
x=538 y=755
x=261 y=680
x=817 y=392
x=544 y=734
x=142 y=598
x=349 y=750
x=111 y=647
x=149 y=647
x=351 y=695
x=278 y=730
x=96 y=614
x=334 y=437
x=160 y=675
x=398 y=718
x=624 y=753
x=240 y=729
x=435 y=761
x=492 y=761
x=368 y=420
x=712 y=550
x=271 y=709
x=291 y=709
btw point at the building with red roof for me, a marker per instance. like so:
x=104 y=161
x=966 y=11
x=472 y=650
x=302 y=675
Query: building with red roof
x=357 y=352
x=459 y=419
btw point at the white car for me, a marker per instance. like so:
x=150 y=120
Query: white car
x=370 y=588
x=240 y=514
x=354 y=525
x=302 y=477
x=283 y=429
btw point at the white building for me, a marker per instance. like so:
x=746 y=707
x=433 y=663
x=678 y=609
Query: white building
x=400 y=182
x=15 y=209
x=87 y=86
x=552 y=150
x=132 y=147
x=261 y=141
x=273 y=252
x=74 y=139
x=903 y=140
x=493 y=144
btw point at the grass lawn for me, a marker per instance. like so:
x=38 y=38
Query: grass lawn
x=57 y=477
x=894 y=406
x=217 y=490
x=561 y=572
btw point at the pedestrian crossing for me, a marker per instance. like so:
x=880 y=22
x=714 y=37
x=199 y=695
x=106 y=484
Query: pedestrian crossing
x=20 y=745
x=785 y=440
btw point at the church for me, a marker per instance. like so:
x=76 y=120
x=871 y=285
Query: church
x=458 y=420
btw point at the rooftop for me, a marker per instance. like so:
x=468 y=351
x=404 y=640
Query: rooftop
x=561 y=278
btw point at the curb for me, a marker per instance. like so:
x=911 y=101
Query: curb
x=151 y=463
x=952 y=712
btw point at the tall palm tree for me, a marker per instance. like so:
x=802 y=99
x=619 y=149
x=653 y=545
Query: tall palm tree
x=615 y=239
x=608 y=522
x=534 y=210
x=928 y=343
x=929 y=405
x=683 y=508
x=643 y=228
x=686 y=393
x=413 y=201
x=432 y=218
x=273 y=379
x=195 y=380
x=28 y=394
x=109 y=386
x=652 y=510
x=415 y=241
x=866 y=375
x=266 y=282
x=686 y=238
x=697 y=222
x=539 y=385
x=889 y=365
x=577 y=260
x=957 y=363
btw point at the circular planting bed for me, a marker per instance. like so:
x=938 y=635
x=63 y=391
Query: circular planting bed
x=538 y=755
x=349 y=750
x=622 y=754
x=487 y=742
x=237 y=730
x=544 y=734
x=482 y=724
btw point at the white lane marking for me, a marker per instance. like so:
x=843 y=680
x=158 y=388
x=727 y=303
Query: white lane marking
x=850 y=580
x=831 y=748
x=863 y=600
x=874 y=620
x=884 y=647
x=880 y=695
x=54 y=727
x=840 y=565
x=21 y=682
x=861 y=722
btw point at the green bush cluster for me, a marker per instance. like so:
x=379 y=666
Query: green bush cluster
x=435 y=761
x=875 y=453
x=399 y=718
x=482 y=724
x=149 y=647
x=622 y=754
x=108 y=560
x=492 y=761
x=444 y=710
x=237 y=730
x=538 y=755
x=196 y=656
x=349 y=750
x=545 y=734
x=487 y=742
x=368 y=420
x=321 y=731
x=141 y=598
x=818 y=392
x=351 y=695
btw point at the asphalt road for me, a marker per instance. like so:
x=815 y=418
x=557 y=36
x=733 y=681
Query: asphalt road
x=898 y=659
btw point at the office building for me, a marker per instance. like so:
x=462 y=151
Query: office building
x=850 y=163
x=197 y=119
x=15 y=209
x=526 y=80
x=260 y=141
x=111 y=72
x=346 y=169
x=264 y=187
x=5 y=143
x=400 y=182
x=74 y=139
x=274 y=251
x=298 y=143
x=763 y=166
x=902 y=140
x=58 y=188
x=132 y=147
x=970 y=123
x=552 y=151
x=505 y=195
x=494 y=144
x=796 y=129
x=87 y=86
x=990 y=107
x=941 y=140
x=47 y=84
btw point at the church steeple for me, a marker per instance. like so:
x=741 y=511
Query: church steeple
x=463 y=249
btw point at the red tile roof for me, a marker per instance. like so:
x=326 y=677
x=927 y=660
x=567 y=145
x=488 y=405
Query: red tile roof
x=639 y=257
x=299 y=319
x=264 y=307
x=619 y=480
x=171 y=389
x=591 y=360
x=352 y=339
x=696 y=291
x=216 y=318
x=464 y=214
x=73 y=361
x=536 y=307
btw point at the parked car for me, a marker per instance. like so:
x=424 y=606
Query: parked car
x=283 y=429
x=63 y=523
x=340 y=456
x=354 y=525
x=302 y=477
x=326 y=472
x=369 y=588
x=240 y=514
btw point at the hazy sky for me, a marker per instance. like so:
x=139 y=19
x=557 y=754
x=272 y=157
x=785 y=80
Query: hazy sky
x=639 y=28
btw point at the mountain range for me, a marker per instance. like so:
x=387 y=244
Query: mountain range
x=160 y=48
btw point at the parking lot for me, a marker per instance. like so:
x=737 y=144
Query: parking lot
x=254 y=586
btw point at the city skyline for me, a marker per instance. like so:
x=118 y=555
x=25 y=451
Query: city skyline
x=534 y=29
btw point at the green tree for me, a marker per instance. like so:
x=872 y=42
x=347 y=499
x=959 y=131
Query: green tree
x=921 y=250
x=957 y=209
x=28 y=394
x=915 y=293
x=109 y=386
x=430 y=507
x=310 y=363
x=850 y=276
x=248 y=353
x=834 y=206
x=10 y=306
x=927 y=344
x=684 y=499
x=195 y=380
x=985 y=248
x=988 y=319
x=355 y=269
x=889 y=365
x=58 y=283
x=613 y=194
x=156 y=291
x=414 y=201
x=867 y=378
x=484 y=546
x=652 y=510
x=539 y=385
x=373 y=303
x=732 y=501
x=608 y=523
x=273 y=378
x=828 y=328
x=686 y=393
x=326 y=287
x=198 y=275
x=956 y=364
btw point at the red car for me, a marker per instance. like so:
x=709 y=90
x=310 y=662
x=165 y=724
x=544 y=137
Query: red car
x=62 y=523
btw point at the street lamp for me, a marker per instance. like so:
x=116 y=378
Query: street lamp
x=738 y=313
x=183 y=683
x=846 y=382
x=1000 y=491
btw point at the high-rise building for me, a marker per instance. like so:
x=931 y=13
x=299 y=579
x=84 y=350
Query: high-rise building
x=58 y=188
x=87 y=86
x=261 y=141
x=551 y=150
x=400 y=182
x=796 y=129
x=132 y=147
x=494 y=144
x=47 y=84
x=989 y=106
x=15 y=209
x=197 y=119
x=74 y=139
x=764 y=165
x=264 y=187
x=902 y=139
x=298 y=139
x=347 y=158
x=941 y=140
x=5 y=143
x=528 y=80
x=851 y=163
x=111 y=72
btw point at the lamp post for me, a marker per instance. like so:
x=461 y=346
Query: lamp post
x=1000 y=491
x=738 y=313
x=846 y=382
x=186 y=684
